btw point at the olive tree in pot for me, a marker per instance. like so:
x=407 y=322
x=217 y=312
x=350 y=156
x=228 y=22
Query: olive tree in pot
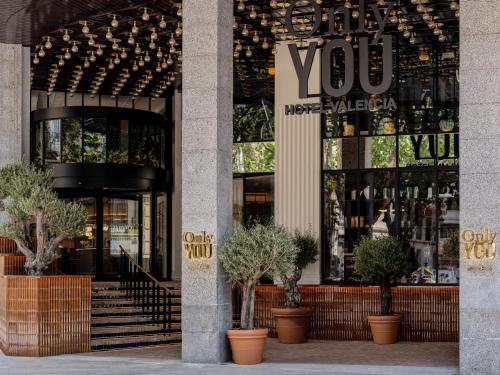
x=382 y=261
x=293 y=321
x=248 y=255
x=28 y=198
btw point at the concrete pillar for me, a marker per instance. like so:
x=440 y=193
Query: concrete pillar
x=479 y=181
x=298 y=160
x=14 y=102
x=207 y=102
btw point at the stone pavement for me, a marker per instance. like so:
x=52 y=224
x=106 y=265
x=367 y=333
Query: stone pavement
x=314 y=358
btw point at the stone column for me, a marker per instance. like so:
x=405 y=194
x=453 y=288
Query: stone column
x=479 y=182
x=14 y=101
x=207 y=102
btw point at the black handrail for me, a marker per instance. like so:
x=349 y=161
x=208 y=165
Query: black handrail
x=146 y=291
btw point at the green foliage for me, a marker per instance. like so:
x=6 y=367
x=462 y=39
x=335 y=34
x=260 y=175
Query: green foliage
x=27 y=197
x=253 y=157
x=254 y=122
x=308 y=246
x=260 y=250
x=382 y=259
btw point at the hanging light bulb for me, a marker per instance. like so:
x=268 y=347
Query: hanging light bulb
x=99 y=51
x=442 y=38
x=91 y=41
x=115 y=45
x=61 y=62
x=137 y=49
x=92 y=57
x=111 y=66
x=381 y=2
x=41 y=53
x=36 y=60
x=67 y=55
x=131 y=39
x=179 y=11
x=178 y=30
x=158 y=68
x=235 y=23
x=241 y=6
x=163 y=23
x=406 y=34
x=265 y=44
x=123 y=55
x=453 y=5
x=86 y=63
x=85 y=28
x=245 y=32
x=253 y=13
x=172 y=40
x=114 y=21
x=141 y=62
x=355 y=14
x=116 y=60
x=263 y=21
x=236 y=54
x=135 y=29
x=413 y=40
x=109 y=34
x=74 y=48
x=147 y=58
x=169 y=60
x=348 y=5
x=135 y=67
x=273 y=3
x=172 y=49
x=152 y=45
x=321 y=41
x=164 y=64
x=145 y=15
x=238 y=47
x=48 y=43
x=159 y=54
x=66 y=36
x=154 y=35
x=255 y=37
x=393 y=18
x=348 y=38
x=248 y=53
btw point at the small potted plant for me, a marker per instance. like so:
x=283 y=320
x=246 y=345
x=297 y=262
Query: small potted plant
x=293 y=321
x=247 y=256
x=383 y=260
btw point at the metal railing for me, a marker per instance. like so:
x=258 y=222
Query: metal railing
x=146 y=291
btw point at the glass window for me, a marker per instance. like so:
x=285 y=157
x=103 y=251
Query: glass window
x=341 y=153
x=138 y=143
x=118 y=136
x=72 y=140
x=253 y=122
x=253 y=157
x=378 y=152
x=94 y=140
x=37 y=144
x=238 y=191
x=53 y=141
x=161 y=234
x=259 y=199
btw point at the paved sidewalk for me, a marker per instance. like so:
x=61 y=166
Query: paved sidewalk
x=314 y=358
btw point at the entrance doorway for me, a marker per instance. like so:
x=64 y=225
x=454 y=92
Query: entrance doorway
x=133 y=222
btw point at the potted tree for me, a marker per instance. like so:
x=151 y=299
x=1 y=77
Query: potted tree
x=58 y=319
x=383 y=260
x=293 y=321
x=261 y=250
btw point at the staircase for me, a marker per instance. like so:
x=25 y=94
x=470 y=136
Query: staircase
x=120 y=321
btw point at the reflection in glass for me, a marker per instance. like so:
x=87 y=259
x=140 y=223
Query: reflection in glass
x=417 y=150
x=449 y=227
x=72 y=140
x=378 y=152
x=418 y=222
x=237 y=201
x=253 y=157
x=118 y=141
x=94 y=140
x=161 y=234
x=38 y=142
x=448 y=149
x=259 y=199
x=53 y=141
x=146 y=233
x=253 y=122
x=341 y=153
x=120 y=228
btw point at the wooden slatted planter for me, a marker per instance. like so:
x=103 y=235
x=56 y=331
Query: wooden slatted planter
x=7 y=246
x=45 y=315
x=430 y=314
x=12 y=264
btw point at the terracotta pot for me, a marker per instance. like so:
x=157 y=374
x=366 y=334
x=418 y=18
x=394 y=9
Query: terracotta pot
x=247 y=345
x=385 y=328
x=293 y=324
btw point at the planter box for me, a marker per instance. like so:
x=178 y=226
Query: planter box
x=45 y=315
x=7 y=246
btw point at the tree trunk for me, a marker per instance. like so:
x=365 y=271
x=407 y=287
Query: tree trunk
x=293 y=297
x=247 y=305
x=386 y=298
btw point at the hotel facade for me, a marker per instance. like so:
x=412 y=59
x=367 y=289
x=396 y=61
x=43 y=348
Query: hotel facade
x=349 y=118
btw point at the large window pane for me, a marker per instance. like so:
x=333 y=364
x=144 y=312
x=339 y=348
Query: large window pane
x=253 y=157
x=72 y=140
x=259 y=199
x=341 y=153
x=118 y=136
x=94 y=140
x=53 y=141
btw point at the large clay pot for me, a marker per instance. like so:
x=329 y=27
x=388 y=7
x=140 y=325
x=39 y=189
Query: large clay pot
x=385 y=328
x=293 y=324
x=247 y=345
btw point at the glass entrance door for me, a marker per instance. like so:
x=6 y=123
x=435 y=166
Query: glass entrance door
x=120 y=229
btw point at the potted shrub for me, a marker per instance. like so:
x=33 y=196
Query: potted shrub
x=293 y=321
x=383 y=260
x=248 y=255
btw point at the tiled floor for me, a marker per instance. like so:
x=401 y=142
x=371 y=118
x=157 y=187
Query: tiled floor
x=313 y=358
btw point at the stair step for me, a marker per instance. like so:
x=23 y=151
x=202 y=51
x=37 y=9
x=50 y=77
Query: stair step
x=126 y=311
x=127 y=303
x=133 y=341
x=127 y=320
x=132 y=330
